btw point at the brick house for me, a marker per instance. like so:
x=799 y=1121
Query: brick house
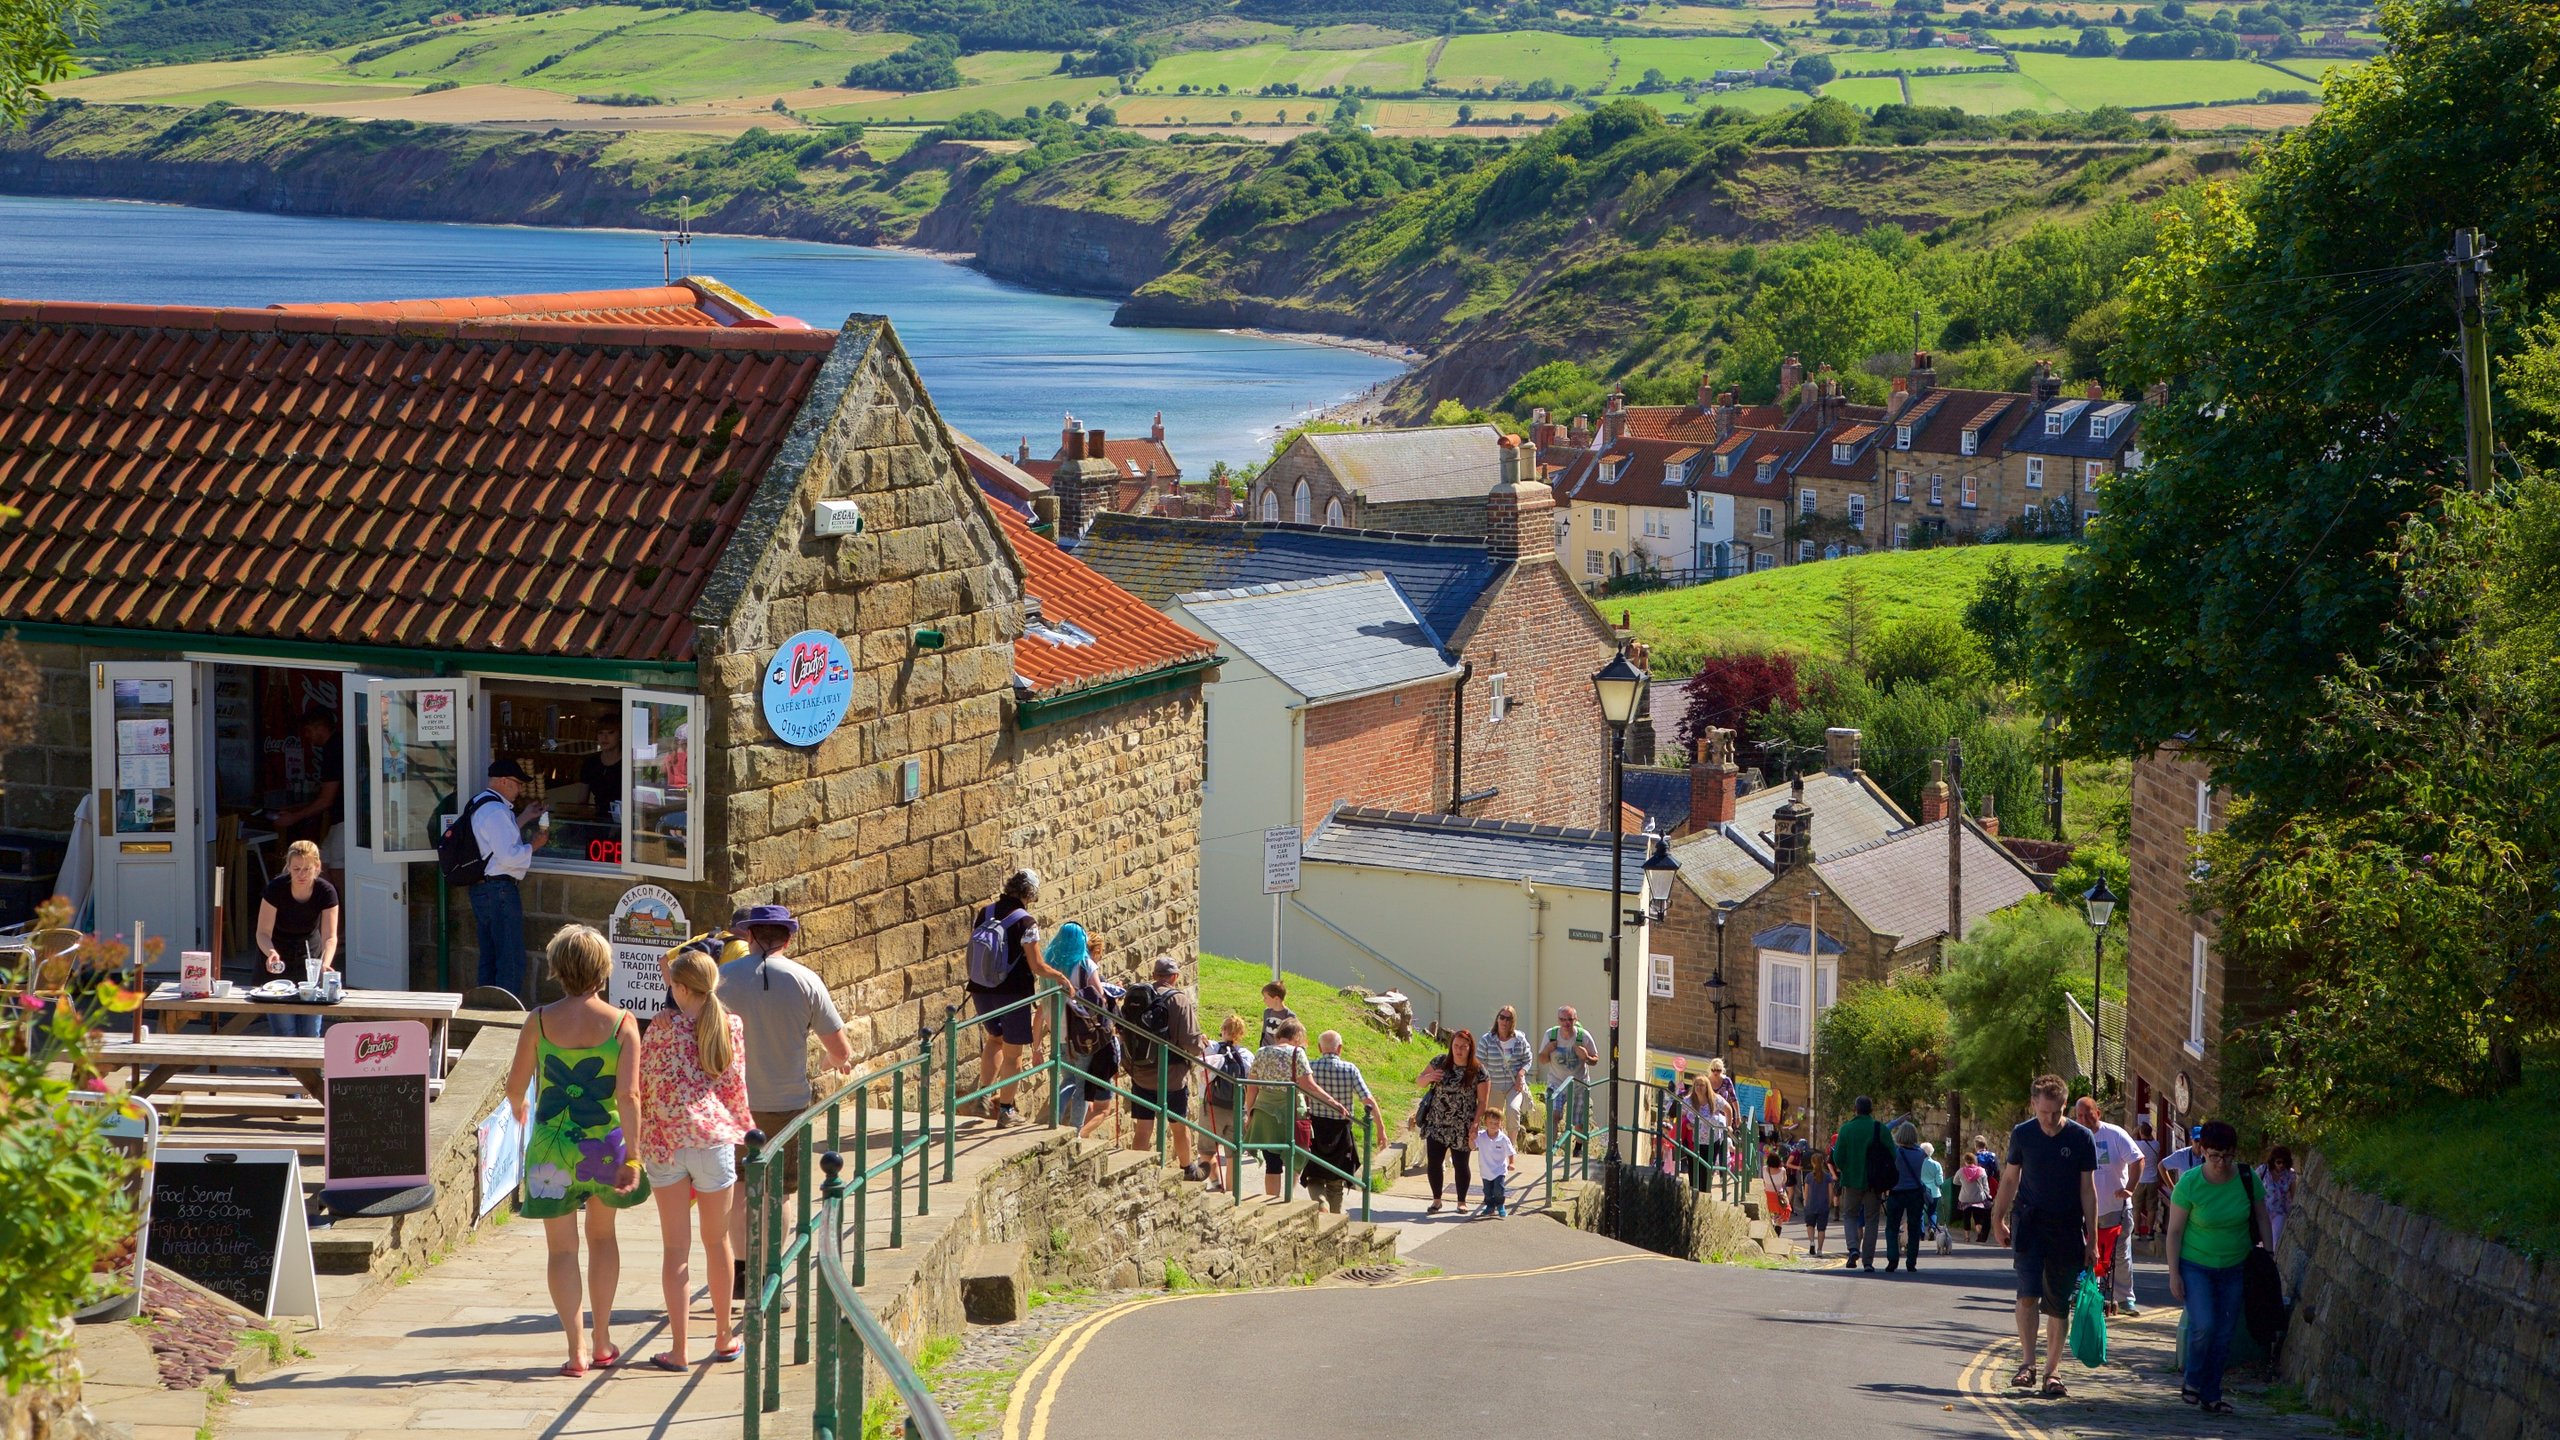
x=1482 y=706
x=1988 y=464
x=428 y=520
x=1430 y=481
x=2181 y=998
x=1828 y=861
x=1143 y=471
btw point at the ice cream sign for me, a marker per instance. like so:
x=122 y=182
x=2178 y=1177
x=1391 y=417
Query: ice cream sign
x=807 y=687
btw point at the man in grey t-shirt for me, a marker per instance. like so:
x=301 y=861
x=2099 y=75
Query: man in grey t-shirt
x=783 y=1005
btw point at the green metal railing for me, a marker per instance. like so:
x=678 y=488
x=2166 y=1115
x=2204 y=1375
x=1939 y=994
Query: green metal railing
x=1645 y=1136
x=798 y=1229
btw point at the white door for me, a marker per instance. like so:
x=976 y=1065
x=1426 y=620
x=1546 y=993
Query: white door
x=405 y=744
x=146 y=750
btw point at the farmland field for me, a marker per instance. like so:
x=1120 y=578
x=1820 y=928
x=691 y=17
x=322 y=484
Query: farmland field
x=1884 y=62
x=1006 y=98
x=1249 y=68
x=1866 y=91
x=1480 y=62
x=2253 y=117
x=1686 y=59
x=2090 y=83
x=1994 y=94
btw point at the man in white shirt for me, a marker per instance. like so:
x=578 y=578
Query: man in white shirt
x=2120 y=1167
x=497 y=820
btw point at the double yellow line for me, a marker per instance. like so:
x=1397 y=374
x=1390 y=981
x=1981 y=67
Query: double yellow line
x=1976 y=1381
x=1035 y=1390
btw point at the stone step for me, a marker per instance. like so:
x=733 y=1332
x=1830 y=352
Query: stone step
x=1120 y=1165
x=1330 y=1225
x=1274 y=1215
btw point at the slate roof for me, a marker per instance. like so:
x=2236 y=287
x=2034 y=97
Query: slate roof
x=1862 y=436
x=1507 y=850
x=2074 y=441
x=1939 y=419
x=1326 y=639
x=1661 y=796
x=1441 y=576
x=1898 y=885
x=1740 y=457
x=1091 y=632
x=498 y=482
x=1438 y=462
x=1792 y=937
x=1733 y=862
x=1009 y=485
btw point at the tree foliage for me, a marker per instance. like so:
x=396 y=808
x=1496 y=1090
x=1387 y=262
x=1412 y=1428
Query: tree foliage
x=1885 y=1041
x=2303 y=328
x=1736 y=692
x=36 y=39
x=2005 y=986
x=1925 y=650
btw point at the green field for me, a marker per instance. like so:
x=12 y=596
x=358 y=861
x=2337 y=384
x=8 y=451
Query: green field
x=1480 y=62
x=2090 y=83
x=1248 y=68
x=1887 y=62
x=1686 y=59
x=1997 y=93
x=1791 y=608
x=1007 y=98
x=1866 y=92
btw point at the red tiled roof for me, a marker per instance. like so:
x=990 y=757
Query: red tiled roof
x=1693 y=423
x=476 y=484
x=1130 y=637
x=1134 y=458
x=655 y=305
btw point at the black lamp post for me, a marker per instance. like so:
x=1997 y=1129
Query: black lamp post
x=1716 y=1003
x=2102 y=908
x=1620 y=686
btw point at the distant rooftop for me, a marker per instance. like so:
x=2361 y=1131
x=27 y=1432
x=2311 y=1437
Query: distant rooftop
x=1506 y=850
x=1441 y=576
x=1327 y=639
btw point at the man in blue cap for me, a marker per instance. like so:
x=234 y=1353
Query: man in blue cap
x=784 y=1005
x=497 y=816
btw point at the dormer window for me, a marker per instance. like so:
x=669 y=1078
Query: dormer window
x=1968 y=441
x=2101 y=425
x=1901 y=437
x=1724 y=464
x=2056 y=421
x=1768 y=471
x=1840 y=453
x=1608 y=472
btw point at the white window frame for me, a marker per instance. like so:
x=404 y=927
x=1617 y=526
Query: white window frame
x=1901 y=437
x=1270 y=506
x=1968 y=492
x=2056 y=421
x=1768 y=521
x=1937 y=487
x=1804 y=552
x=1594 y=563
x=1662 y=971
x=2098 y=426
x=1333 y=513
x=1967 y=443
x=471 y=745
x=2035 y=472
x=1302 y=504
x=2195 y=996
x=631 y=732
x=1857 y=512
x=1820 y=995
x=1902 y=486
x=1901 y=535
x=1596 y=526
x=2204 y=807
x=1840 y=454
x=1724 y=464
x=1497 y=698
x=2092 y=474
x=1808 y=503
x=1768 y=471
x=1764 y=561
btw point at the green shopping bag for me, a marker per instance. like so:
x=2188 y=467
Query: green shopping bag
x=2089 y=1322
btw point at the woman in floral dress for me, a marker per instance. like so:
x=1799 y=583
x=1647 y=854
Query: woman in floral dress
x=575 y=1051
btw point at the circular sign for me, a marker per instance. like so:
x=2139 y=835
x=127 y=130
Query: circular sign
x=2180 y=1094
x=807 y=687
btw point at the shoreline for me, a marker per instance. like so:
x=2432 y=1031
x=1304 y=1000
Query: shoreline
x=1409 y=356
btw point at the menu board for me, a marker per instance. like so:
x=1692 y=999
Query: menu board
x=231 y=1221
x=647 y=922
x=374 y=1084
x=115 y=1285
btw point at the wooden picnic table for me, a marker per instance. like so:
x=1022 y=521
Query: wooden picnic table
x=230 y=1014
x=155 y=1060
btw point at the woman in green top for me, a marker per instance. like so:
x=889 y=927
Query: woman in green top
x=2209 y=1235
x=576 y=1048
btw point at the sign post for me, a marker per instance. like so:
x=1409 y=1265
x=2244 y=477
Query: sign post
x=374 y=1079
x=647 y=923
x=1280 y=855
x=232 y=1221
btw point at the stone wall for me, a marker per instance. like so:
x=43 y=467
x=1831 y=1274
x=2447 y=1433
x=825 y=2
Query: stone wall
x=1548 y=757
x=2160 y=943
x=1718 y=1230
x=882 y=888
x=1109 y=812
x=1389 y=750
x=1279 y=481
x=2405 y=1321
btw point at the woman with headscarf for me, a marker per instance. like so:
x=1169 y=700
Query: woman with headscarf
x=1093 y=1042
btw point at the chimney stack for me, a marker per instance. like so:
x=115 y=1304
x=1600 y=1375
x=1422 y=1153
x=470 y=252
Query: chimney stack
x=2044 y=385
x=1840 y=748
x=1712 y=777
x=2097 y=391
x=1790 y=377
x=1519 y=513
x=1084 y=482
x=1933 y=797
x=1071 y=440
x=1791 y=840
x=1724 y=416
x=1990 y=821
x=1157 y=434
x=1613 y=420
x=1579 y=435
x=1022 y=451
x=1924 y=373
x=1705 y=380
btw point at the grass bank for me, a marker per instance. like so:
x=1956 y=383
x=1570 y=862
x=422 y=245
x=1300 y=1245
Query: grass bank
x=2445 y=1157
x=1235 y=987
x=1795 y=608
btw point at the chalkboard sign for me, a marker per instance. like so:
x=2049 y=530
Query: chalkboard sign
x=375 y=1136
x=231 y=1220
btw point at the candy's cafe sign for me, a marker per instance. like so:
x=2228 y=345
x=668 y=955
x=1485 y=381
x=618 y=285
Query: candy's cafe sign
x=807 y=687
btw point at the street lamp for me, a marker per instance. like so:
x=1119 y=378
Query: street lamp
x=2102 y=908
x=1659 y=868
x=1620 y=686
x=1716 y=1002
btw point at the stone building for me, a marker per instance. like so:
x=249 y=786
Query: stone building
x=1430 y=481
x=2181 y=998
x=720 y=581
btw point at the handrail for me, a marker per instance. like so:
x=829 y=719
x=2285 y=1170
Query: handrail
x=1439 y=1004
x=843 y=1347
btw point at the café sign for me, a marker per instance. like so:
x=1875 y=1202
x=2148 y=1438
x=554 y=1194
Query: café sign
x=807 y=687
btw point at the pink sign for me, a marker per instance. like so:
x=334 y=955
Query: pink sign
x=374 y=1075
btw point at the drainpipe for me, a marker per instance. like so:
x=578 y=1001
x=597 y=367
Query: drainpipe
x=1537 y=945
x=1458 y=737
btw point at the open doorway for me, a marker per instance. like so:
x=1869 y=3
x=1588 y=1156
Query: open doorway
x=277 y=759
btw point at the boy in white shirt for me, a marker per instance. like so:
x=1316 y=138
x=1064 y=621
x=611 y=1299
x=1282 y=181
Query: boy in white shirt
x=1493 y=1161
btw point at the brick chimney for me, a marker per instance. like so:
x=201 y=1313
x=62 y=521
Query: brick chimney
x=1724 y=416
x=1157 y=433
x=1924 y=373
x=1790 y=377
x=1791 y=837
x=1579 y=436
x=1519 y=513
x=1705 y=396
x=1711 y=781
x=1990 y=821
x=1542 y=429
x=2044 y=385
x=1900 y=399
x=2097 y=391
x=1933 y=796
x=1022 y=451
x=1840 y=748
x=1084 y=481
x=1613 y=420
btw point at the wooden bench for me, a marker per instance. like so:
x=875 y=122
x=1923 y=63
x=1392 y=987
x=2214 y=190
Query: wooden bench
x=156 y=1060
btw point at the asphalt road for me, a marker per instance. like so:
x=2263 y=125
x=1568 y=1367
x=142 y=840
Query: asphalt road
x=1535 y=1329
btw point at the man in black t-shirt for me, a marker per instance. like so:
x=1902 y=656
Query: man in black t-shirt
x=2048 y=1215
x=1000 y=1052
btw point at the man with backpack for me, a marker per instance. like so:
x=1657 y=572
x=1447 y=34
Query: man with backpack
x=1005 y=966
x=485 y=852
x=1863 y=1154
x=1162 y=1021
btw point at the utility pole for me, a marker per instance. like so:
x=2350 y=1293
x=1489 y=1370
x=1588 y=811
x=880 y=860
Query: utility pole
x=1955 y=845
x=2053 y=784
x=2470 y=261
